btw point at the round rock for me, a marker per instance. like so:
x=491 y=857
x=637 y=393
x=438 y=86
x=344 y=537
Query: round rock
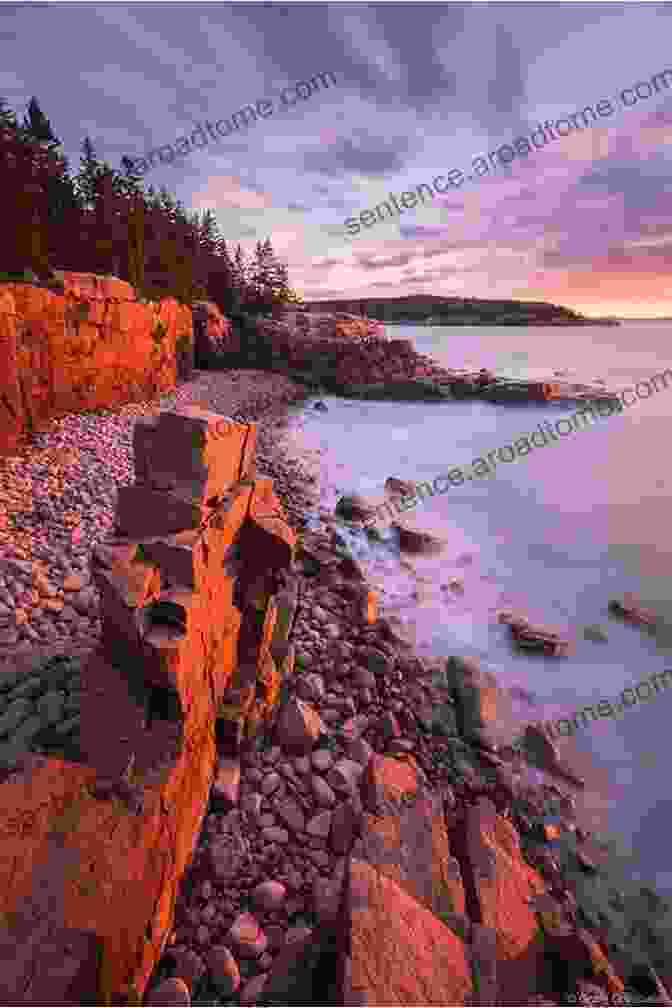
x=322 y=792
x=246 y=938
x=269 y=895
x=172 y=991
x=224 y=971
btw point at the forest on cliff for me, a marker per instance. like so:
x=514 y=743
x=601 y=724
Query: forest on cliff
x=101 y=220
x=438 y=310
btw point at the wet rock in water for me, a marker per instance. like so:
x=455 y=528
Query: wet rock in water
x=477 y=696
x=586 y=863
x=414 y=541
x=534 y=638
x=354 y=507
x=319 y=405
x=595 y=634
x=401 y=487
x=522 y=694
x=544 y=753
x=630 y=610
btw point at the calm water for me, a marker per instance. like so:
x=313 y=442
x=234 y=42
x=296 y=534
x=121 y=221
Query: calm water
x=555 y=534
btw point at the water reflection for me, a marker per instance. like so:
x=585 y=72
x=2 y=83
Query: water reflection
x=555 y=535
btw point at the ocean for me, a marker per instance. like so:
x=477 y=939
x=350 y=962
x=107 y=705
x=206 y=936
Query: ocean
x=555 y=535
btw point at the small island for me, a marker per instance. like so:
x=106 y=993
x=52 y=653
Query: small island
x=428 y=309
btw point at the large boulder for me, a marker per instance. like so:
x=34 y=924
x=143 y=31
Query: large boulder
x=214 y=335
x=404 y=836
x=393 y=950
x=416 y=541
x=88 y=345
x=478 y=700
x=299 y=727
x=353 y=507
x=506 y=887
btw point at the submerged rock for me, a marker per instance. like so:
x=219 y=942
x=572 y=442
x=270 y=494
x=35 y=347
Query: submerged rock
x=595 y=634
x=400 y=487
x=353 y=507
x=412 y=540
x=630 y=610
x=544 y=753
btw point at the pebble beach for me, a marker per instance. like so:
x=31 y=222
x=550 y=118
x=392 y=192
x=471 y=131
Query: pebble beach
x=277 y=829
x=57 y=501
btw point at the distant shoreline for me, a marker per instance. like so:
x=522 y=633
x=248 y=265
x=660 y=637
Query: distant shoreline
x=429 y=309
x=489 y=322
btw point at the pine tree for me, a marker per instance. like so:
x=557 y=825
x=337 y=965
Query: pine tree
x=136 y=243
x=221 y=287
x=240 y=275
x=102 y=219
x=31 y=172
x=37 y=127
x=89 y=170
x=208 y=233
x=130 y=182
x=110 y=226
x=8 y=125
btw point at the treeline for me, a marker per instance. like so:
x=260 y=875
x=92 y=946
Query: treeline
x=420 y=307
x=101 y=220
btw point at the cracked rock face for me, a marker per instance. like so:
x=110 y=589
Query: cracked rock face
x=149 y=701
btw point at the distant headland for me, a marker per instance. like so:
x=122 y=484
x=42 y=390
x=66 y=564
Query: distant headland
x=429 y=309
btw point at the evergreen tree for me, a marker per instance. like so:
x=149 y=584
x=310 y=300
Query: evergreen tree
x=131 y=179
x=8 y=125
x=240 y=275
x=136 y=243
x=103 y=220
x=89 y=170
x=37 y=127
x=221 y=287
x=110 y=225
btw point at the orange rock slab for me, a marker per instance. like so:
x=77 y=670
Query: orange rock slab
x=393 y=950
x=93 y=345
x=505 y=885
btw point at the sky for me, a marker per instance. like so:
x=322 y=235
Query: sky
x=419 y=90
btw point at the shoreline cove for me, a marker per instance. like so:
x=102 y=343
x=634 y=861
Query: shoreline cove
x=455 y=477
x=368 y=727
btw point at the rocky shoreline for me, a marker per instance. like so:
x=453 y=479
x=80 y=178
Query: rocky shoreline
x=292 y=805
x=360 y=717
x=356 y=360
x=419 y=309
